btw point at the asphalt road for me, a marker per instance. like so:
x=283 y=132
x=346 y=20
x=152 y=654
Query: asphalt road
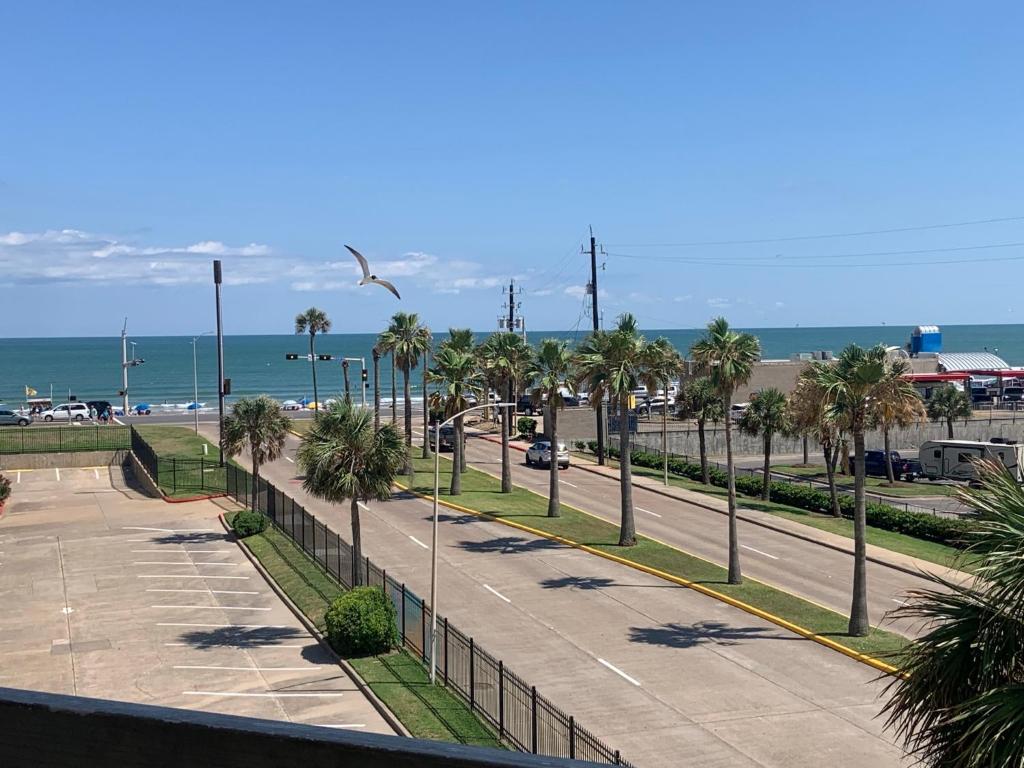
x=657 y=671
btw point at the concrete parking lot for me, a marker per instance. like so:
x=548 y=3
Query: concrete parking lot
x=107 y=593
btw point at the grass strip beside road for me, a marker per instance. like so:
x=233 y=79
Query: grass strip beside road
x=931 y=551
x=877 y=485
x=482 y=493
x=398 y=679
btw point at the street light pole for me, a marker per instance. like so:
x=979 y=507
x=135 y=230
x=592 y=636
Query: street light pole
x=433 y=543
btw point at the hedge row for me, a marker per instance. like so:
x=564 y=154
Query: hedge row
x=943 y=530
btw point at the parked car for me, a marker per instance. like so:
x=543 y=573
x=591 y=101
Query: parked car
x=737 y=410
x=66 y=412
x=540 y=453
x=447 y=438
x=656 y=405
x=525 y=405
x=1013 y=394
x=874 y=465
x=14 y=418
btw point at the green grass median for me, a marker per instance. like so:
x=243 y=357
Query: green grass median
x=878 y=485
x=399 y=680
x=482 y=492
x=184 y=479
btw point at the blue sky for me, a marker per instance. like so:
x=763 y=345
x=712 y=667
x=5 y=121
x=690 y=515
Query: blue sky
x=460 y=144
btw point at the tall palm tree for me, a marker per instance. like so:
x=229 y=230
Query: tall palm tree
x=313 y=321
x=256 y=424
x=345 y=458
x=766 y=417
x=456 y=376
x=462 y=340
x=504 y=358
x=850 y=387
x=376 y=386
x=949 y=403
x=898 y=404
x=552 y=371
x=386 y=346
x=810 y=414
x=344 y=376
x=699 y=401
x=411 y=341
x=727 y=358
x=960 y=703
x=615 y=363
x=663 y=364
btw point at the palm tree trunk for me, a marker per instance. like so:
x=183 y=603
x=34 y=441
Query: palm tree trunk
x=888 y=461
x=394 y=390
x=859 y=626
x=506 y=462
x=949 y=427
x=426 y=410
x=376 y=390
x=705 y=476
x=554 y=504
x=664 y=433
x=312 y=363
x=357 y=545
x=344 y=373
x=254 y=499
x=807 y=457
x=831 y=457
x=735 y=576
x=766 y=485
x=407 y=392
x=627 y=528
x=457 y=450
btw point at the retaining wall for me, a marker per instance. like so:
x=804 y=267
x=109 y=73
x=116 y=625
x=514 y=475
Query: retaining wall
x=69 y=460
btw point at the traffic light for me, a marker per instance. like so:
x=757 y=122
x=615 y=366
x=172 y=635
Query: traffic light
x=291 y=356
x=325 y=357
x=366 y=381
x=227 y=386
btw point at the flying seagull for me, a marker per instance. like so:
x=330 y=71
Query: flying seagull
x=367 y=277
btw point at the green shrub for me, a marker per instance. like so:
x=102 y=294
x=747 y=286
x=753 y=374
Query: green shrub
x=248 y=523
x=362 y=623
x=5 y=488
x=581 y=446
x=527 y=426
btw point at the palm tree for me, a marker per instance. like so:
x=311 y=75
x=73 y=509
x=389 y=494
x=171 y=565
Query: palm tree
x=959 y=703
x=699 y=401
x=376 y=387
x=258 y=425
x=663 y=364
x=727 y=358
x=898 y=404
x=456 y=376
x=766 y=416
x=344 y=457
x=386 y=346
x=949 y=403
x=344 y=376
x=849 y=388
x=552 y=370
x=313 y=321
x=615 y=363
x=504 y=358
x=809 y=414
x=410 y=342
x=462 y=340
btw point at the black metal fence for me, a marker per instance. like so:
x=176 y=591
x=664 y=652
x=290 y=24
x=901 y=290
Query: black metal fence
x=93 y=437
x=184 y=476
x=522 y=717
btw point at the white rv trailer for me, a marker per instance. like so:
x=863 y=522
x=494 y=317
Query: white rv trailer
x=957 y=459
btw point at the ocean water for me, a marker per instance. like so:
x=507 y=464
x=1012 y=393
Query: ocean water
x=91 y=367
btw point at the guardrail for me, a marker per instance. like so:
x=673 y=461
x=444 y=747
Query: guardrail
x=72 y=438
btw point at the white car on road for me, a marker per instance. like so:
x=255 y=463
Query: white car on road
x=540 y=453
x=66 y=412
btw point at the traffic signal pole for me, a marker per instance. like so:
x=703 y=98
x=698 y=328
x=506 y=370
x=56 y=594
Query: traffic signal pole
x=596 y=316
x=220 y=361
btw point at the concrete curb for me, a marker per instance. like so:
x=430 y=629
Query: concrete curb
x=870 y=661
x=377 y=704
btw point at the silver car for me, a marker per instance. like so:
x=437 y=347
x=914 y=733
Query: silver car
x=540 y=453
x=14 y=418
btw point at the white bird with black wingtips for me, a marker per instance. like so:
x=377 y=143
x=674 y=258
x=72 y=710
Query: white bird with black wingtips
x=367 y=277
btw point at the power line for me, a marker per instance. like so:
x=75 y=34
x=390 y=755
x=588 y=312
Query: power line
x=749 y=265
x=860 y=233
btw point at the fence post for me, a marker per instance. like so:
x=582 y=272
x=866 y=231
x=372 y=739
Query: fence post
x=446 y=650
x=174 y=475
x=618 y=758
x=403 y=613
x=501 y=699
x=337 y=547
x=533 y=717
x=423 y=629
x=60 y=439
x=472 y=675
x=572 y=737
x=368 y=570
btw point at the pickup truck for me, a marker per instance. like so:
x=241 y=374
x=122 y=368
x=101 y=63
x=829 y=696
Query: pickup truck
x=874 y=465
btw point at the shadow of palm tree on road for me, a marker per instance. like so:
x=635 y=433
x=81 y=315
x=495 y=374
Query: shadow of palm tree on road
x=243 y=637
x=596 y=582
x=510 y=545
x=675 y=635
x=192 y=538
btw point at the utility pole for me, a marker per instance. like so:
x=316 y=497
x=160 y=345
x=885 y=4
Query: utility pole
x=124 y=369
x=220 y=362
x=510 y=395
x=596 y=317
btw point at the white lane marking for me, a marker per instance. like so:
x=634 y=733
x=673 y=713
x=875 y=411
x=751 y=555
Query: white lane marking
x=493 y=591
x=250 y=669
x=187 y=576
x=233 y=645
x=343 y=725
x=206 y=591
x=162 y=562
x=363 y=506
x=419 y=542
x=289 y=459
x=212 y=607
x=566 y=482
x=229 y=626
x=619 y=672
x=57 y=471
x=96 y=474
x=773 y=557
x=641 y=509
x=270 y=695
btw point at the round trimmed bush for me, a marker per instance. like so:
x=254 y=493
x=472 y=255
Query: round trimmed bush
x=362 y=622
x=247 y=523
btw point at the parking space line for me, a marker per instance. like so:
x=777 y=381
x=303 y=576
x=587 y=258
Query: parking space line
x=163 y=562
x=250 y=669
x=19 y=476
x=166 y=551
x=343 y=725
x=235 y=645
x=222 y=626
x=289 y=459
x=96 y=474
x=773 y=557
x=271 y=695
x=641 y=509
x=206 y=591
x=55 y=469
x=493 y=591
x=619 y=672
x=417 y=541
x=566 y=482
x=186 y=576
x=212 y=607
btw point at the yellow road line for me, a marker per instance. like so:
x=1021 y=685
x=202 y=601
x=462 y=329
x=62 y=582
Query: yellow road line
x=743 y=606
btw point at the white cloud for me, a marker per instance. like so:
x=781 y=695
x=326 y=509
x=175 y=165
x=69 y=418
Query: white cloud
x=780 y=304
x=682 y=299
x=719 y=303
